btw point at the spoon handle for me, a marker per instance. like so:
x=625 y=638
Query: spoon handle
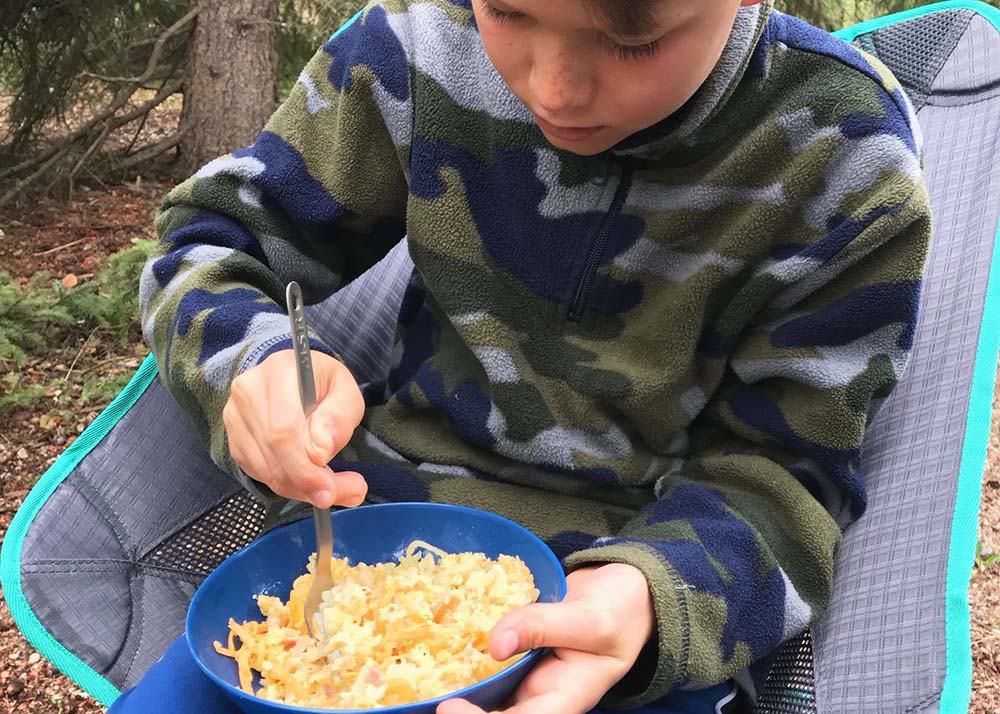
x=300 y=342
x=307 y=392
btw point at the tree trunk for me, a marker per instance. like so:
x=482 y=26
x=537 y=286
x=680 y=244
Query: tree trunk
x=231 y=82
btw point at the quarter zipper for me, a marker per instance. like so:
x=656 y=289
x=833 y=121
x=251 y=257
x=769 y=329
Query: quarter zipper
x=586 y=283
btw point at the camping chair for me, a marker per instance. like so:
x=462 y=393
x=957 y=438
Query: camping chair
x=102 y=559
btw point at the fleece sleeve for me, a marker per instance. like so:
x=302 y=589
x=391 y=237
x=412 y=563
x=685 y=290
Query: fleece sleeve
x=318 y=198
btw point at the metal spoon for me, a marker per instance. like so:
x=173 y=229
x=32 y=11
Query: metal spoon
x=321 y=516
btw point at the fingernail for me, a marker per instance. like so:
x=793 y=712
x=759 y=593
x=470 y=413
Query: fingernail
x=507 y=645
x=322 y=499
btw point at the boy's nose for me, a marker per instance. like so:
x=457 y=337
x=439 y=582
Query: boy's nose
x=558 y=82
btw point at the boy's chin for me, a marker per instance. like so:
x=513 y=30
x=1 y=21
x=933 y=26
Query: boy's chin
x=584 y=147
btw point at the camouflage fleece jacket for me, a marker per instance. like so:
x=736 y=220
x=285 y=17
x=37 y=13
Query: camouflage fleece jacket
x=665 y=355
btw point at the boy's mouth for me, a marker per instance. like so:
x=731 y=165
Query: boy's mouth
x=567 y=133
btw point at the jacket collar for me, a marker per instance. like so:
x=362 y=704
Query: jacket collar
x=711 y=97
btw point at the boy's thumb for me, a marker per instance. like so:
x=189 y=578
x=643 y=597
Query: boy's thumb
x=322 y=433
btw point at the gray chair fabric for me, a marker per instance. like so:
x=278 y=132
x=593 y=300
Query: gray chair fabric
x=115 y=554
x=888 y=612
x=881 y=647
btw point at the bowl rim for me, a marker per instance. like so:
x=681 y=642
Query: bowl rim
x=521 y=663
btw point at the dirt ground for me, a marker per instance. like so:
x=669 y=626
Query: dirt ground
x=984 y=592
x=64 y=240
x=76 y=239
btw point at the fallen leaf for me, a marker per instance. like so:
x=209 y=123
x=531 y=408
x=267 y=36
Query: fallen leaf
x=70 y=281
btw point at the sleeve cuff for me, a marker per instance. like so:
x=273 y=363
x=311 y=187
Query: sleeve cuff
x=663 y=664
x=277 y=343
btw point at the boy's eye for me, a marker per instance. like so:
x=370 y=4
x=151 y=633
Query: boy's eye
x=498 y=14
x=635 y=52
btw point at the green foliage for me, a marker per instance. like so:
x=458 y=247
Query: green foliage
x=111 y=301
x=37 y=317
x=14 y=391
x=26 y=315
x=31 y=315
x=100 y=388
x=52 y=53
x=835 y=14
x=47 y=47
x=985 y=558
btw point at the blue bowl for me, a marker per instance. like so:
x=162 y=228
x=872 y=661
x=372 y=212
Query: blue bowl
x=370 y=534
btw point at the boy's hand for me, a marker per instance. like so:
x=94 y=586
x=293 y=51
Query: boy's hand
x=597 y=633
x=273 y=442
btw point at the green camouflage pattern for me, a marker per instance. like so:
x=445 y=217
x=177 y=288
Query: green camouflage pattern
x=665 y=355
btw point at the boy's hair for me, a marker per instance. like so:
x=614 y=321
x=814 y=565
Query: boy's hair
x=625 y=17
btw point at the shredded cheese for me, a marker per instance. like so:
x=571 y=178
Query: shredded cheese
x=396 y=633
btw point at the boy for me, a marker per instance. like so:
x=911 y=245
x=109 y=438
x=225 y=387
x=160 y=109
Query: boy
x=668 y=257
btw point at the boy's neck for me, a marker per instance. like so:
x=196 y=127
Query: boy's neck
x=673 y=130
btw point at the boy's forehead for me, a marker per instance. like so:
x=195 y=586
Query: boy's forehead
x=625 y=18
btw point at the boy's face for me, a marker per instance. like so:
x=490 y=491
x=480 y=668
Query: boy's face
x=590 y=88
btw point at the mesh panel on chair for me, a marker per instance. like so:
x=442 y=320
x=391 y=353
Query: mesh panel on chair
x=790 y=687
x=916 y=57
x=205 y=543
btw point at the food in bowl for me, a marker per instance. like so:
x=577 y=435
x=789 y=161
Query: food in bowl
x=395 y=633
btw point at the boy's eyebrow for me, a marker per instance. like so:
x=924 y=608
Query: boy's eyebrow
x=627 y=18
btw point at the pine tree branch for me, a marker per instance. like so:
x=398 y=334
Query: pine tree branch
x=63 y=148
x=97 y=144
x=54 y=157
x=120 y=100
x=154 y=57
x=153 y=150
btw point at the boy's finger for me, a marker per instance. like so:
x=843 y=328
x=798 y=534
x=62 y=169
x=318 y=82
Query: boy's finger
x=551 y=703
x=244 y=447
x=561 y=624
x=323 y=432
x=458 y=706
x=558 y=702
x=337 y=414
x=319 y=485
x=319 y=436
x=584 y=677
x=350 y=405
x=351 y=488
